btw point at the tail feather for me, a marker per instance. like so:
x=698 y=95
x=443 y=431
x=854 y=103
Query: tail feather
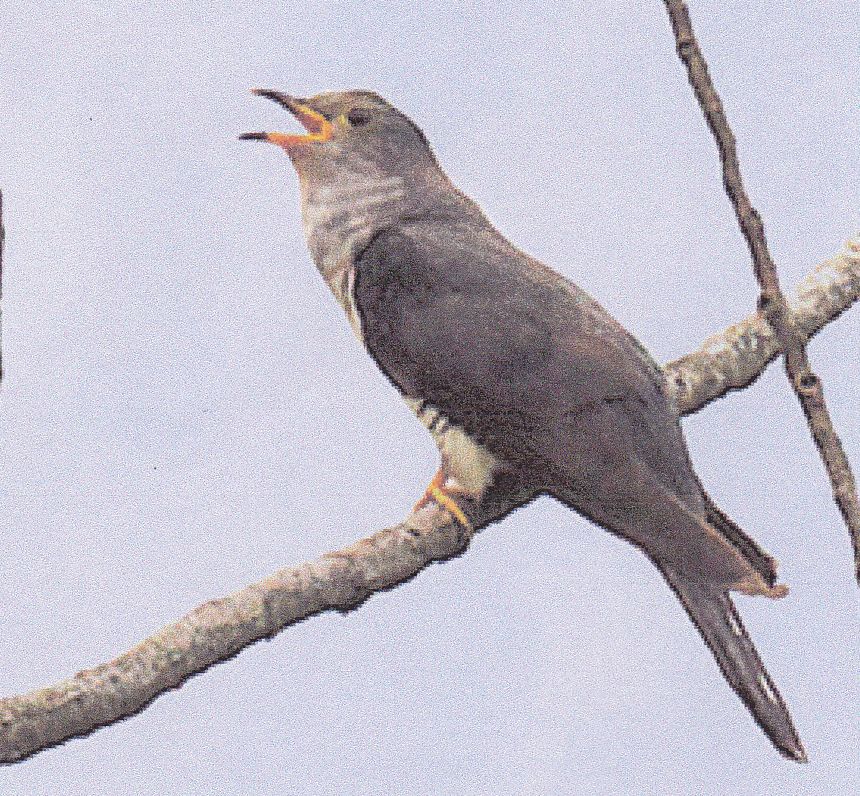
x=716 y=618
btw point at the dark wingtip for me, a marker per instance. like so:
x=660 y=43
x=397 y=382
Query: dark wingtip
x=253 y=137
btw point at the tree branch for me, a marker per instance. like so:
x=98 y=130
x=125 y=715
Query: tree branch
x=806 y=385
x=219 y=629
x=737 y=356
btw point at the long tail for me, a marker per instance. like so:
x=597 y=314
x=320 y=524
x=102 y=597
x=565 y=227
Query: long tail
x=716 y=618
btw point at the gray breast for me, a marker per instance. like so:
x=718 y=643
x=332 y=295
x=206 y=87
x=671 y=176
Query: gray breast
x=338 y=222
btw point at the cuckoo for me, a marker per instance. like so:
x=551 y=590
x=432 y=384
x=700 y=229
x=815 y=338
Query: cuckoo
x=516 y=370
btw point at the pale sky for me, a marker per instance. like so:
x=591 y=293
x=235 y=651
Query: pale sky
x=185 y=409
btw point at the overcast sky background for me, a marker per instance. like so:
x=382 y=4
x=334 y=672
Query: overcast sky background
x=185 y=410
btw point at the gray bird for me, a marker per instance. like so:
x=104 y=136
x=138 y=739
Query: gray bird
x=516 y=370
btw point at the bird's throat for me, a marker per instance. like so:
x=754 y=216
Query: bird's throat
x=340 y=218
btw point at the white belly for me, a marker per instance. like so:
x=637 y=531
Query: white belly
x=469 y=463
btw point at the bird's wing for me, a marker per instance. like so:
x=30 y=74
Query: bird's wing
x=539 y=373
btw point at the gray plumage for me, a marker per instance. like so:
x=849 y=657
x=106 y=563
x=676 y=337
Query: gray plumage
x=518 y=367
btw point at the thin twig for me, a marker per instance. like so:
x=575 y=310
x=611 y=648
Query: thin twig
x=219 y=629
x=807 y=386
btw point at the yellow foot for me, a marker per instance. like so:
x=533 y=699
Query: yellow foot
x=428 y=495
x=443 y=497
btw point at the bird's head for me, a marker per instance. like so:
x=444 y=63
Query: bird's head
x=348 y=133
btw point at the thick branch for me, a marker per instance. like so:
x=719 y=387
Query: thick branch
x=736 y=357
x=806 y=385
x=219 y=629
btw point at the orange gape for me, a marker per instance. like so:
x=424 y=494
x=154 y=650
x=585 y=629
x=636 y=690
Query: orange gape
x=319 y=128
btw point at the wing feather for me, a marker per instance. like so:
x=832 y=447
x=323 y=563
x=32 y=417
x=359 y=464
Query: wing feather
x=539 y=373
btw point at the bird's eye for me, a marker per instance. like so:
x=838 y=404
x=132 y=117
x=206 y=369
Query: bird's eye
x=357 y=117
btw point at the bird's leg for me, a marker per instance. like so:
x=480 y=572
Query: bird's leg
x=441 y=491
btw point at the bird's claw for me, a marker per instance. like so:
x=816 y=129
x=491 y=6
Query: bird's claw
x=438 y=493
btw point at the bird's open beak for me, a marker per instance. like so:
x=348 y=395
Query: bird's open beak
x=318 y=127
